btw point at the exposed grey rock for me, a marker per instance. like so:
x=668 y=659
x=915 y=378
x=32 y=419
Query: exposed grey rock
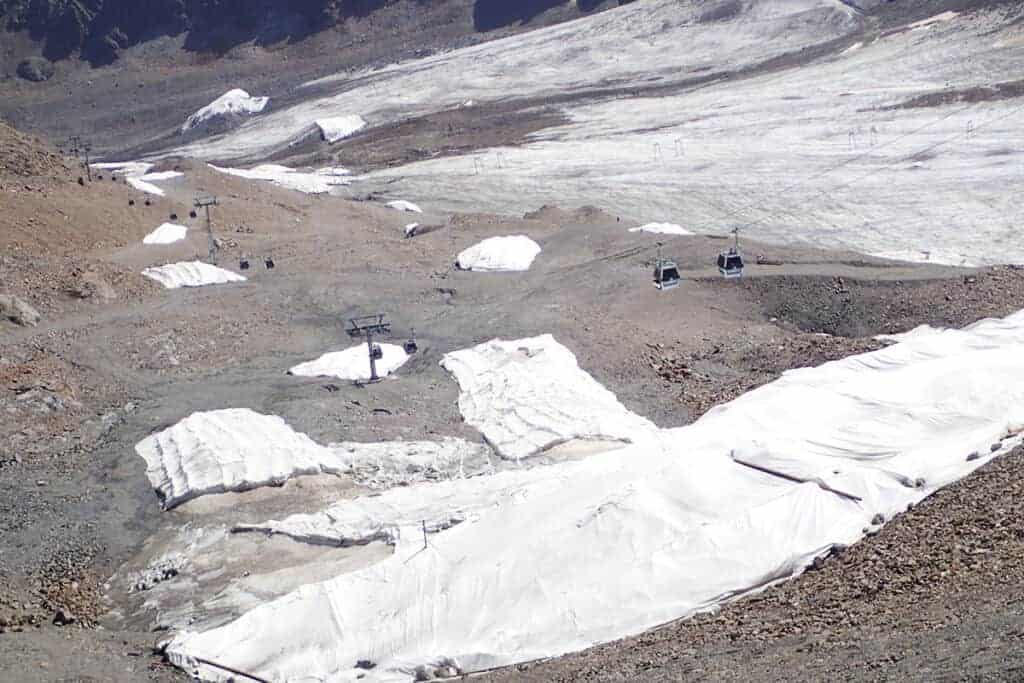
x=36 y=69
x=17 y=311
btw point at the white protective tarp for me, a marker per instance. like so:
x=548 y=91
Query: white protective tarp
x=510 y=253
x=662 y=229
x=353 y=363
x=337 y=128
x=236 y=102
x=534 y=563
x=191 y=274
x=227 y=450
x=168 y=233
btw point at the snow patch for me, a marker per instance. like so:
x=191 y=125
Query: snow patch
x=168 y=233
x=511 y=253
x=235 y=102
x=340 y=127
x=318 y=181
x=662 y=229
x=528 y=395
x=191 y=274
x=353 y=363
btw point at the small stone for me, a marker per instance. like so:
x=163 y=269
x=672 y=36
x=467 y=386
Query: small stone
x=973 y=456
x=996 y=446
x=878 y=519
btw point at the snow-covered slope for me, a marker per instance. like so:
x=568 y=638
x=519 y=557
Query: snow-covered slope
x=495 y=254
x=353 y=363
x=168 y=233
x=191 y=274
x=534 y=563
x=528 y=395
x=818 y=146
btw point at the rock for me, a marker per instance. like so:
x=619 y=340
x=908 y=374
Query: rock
x=878 y=519
x=36 y=69
x=64 y=618
x=17 y=311
x=973 y=456
x=424 y=673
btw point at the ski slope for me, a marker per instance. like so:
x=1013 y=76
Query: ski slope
x=533 y=563
x=805 y=148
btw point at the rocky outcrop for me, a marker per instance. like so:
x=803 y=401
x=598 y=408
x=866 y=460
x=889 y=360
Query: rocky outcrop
x=99 y=29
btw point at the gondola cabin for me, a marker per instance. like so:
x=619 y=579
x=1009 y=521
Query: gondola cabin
x=666 y=275
x=730 y=263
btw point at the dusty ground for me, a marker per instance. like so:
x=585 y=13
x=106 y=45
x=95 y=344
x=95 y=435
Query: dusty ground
x=103 y=370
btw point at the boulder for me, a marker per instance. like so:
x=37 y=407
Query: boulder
x=17 y=311
x=36 y=69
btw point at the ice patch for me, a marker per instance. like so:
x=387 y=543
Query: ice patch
x=402 y=205
x=534 y=563
x=340 y=127
x=319 y=181
x=389 y=464
x=353 y=363
x=191 y=274
x=528 y=395
x=511 y=253
x=227 y=450
x=168 y=233
x=662 y=229
x=235 y=102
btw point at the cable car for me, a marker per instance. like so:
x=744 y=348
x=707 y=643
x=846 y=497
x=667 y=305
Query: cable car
x=410 y=347
x=243 y=263
x=268 y=262
x=666 y=274
x=730 y=263
x=376 y=353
